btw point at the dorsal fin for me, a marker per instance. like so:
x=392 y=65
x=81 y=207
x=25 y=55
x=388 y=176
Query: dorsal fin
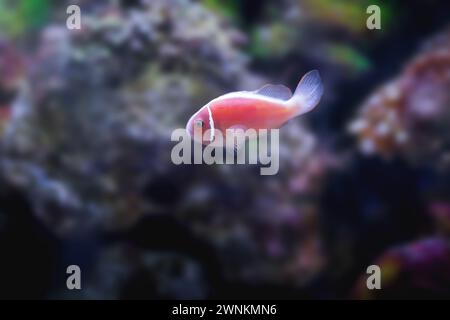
x=276 y=91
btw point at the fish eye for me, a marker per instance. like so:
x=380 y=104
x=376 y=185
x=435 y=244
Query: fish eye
x=199 y=123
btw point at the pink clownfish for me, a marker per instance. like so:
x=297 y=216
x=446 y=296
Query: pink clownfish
x=266 y=108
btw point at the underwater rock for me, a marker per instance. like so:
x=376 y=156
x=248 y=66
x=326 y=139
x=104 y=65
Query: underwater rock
x=418 y=270
x=12 y=73
x=125 y=272
x=408 y=116
x=99 y=89
x=89 y=140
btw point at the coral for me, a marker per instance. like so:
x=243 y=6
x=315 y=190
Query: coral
x=415 y=270
x=12 y=72
x=408 y=116
x=89 y=139
x=77 y=102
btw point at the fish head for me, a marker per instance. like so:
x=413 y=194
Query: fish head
x=200 y=123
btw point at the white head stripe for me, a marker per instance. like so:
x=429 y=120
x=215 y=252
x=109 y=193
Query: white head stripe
x=211 y=123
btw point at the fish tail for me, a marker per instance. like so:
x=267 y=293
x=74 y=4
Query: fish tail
x=308 y=93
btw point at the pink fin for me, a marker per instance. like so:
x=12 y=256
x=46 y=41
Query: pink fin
x=309 y=91
x=276 y=91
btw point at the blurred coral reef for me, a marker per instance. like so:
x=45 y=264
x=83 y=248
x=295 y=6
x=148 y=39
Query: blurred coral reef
x=409 y=115
x=86 y=117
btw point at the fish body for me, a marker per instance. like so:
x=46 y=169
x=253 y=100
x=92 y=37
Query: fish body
x=266 y=108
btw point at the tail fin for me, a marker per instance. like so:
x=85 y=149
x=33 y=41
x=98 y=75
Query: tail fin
x=308 y=92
